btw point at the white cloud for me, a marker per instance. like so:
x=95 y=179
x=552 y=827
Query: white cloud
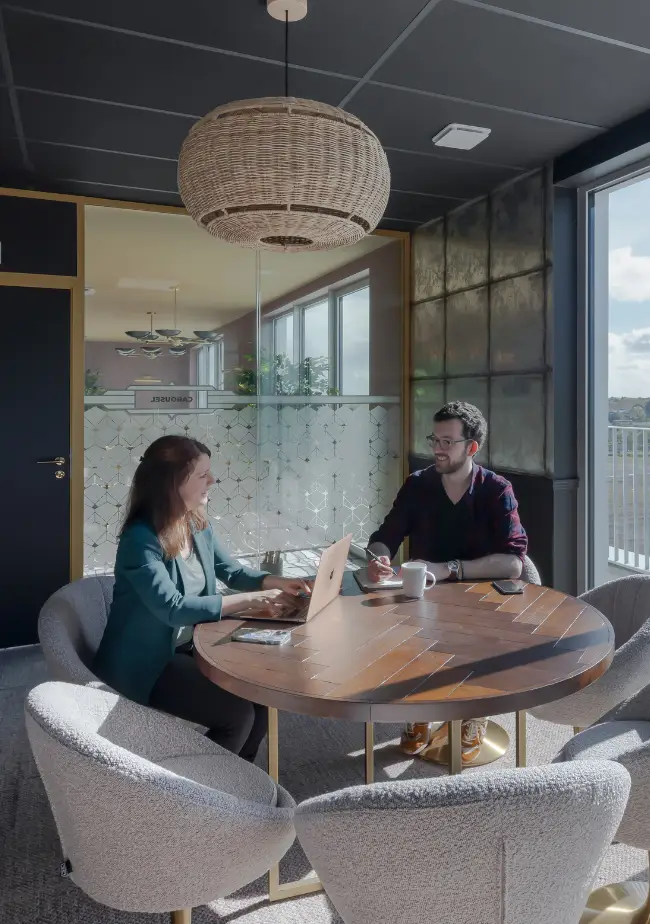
x=629 y=364
x=637 y=341
x=629 y=276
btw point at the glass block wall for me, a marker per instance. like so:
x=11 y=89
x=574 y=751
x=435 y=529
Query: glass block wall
x=481 y=279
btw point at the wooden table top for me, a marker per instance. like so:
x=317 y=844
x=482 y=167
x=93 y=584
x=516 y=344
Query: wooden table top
x=462 y=652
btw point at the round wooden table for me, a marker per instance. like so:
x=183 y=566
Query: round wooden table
x=464 y=651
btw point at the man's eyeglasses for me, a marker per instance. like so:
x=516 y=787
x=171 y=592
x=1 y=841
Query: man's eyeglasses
x=443 y=442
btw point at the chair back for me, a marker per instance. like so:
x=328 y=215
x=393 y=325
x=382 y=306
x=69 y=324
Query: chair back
x=151 y=815
x=529 y=572
x=71 y=625
x=626 y=603
x=504 y=847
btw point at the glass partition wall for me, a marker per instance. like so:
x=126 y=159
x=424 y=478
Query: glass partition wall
x=329 y=409
x=287 y=366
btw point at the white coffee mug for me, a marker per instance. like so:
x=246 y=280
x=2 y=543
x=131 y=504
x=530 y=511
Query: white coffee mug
x=415 y=578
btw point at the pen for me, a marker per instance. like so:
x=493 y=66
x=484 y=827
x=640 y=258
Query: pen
x=378 y=559
x=373 y=556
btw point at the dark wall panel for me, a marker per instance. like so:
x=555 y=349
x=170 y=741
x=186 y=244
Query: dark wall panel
x=494 y=322
x=38 y=236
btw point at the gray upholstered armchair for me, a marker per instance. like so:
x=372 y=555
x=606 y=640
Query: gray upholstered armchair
x=529 y=571
x=626 y=603
x=152 y=816
x=71 y=625
x=623 y=736
x=516 y=846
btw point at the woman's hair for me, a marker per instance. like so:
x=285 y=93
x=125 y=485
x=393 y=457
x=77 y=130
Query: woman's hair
x=154 y=496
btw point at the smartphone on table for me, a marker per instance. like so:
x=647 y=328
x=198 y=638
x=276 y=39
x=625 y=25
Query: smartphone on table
x=262 y=636
x=509 y=587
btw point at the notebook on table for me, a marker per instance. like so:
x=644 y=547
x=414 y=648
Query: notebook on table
x=364 y=582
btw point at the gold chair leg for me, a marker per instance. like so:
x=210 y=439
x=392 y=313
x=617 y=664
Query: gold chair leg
x=370 y=752
x=182 y=917
x=620 y=903
x=520 y=720
x=277 y=890
x=454 y=753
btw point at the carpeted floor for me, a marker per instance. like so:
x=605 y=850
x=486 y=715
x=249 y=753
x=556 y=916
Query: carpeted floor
x=316 y=756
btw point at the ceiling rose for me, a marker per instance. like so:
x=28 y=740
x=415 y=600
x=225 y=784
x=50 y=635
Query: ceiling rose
x=281 y=173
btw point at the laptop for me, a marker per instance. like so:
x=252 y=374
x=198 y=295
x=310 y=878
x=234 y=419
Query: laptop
x=327 y=586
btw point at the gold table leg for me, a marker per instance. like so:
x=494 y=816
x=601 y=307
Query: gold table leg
x=621 y=903
x=278 y=890
x=495 y=745
x=454 y=749
x=182 y=917
x=370 y=752
x=520 y=721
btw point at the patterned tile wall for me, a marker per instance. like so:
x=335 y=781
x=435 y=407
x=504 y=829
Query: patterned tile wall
x=479 y=320
x=321 y=471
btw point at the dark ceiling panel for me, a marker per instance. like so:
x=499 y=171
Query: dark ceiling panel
x=624 y=20
x=105 y=65
x=11 y=159
x=409 y=120
x=336 y=35
x=417 y=208
x=390 y=224
x=474 y=54
x=105 y=112
x=60 y=163
x=414 y=172
x=120 y=193
x=6 y=115
x=100 y=125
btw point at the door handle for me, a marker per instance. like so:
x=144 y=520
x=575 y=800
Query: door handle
x=58 y=461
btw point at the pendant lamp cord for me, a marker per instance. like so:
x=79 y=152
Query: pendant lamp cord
x=286 y=52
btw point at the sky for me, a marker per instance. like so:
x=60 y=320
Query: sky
x=629 y=291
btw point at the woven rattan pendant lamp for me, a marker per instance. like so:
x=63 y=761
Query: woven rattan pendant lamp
x=281 y=173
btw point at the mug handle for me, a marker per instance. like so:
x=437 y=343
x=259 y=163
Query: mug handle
x=429 y=577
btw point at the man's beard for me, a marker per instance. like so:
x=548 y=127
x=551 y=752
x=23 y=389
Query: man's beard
x=447 y=467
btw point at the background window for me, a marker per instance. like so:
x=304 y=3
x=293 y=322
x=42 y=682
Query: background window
x=283 y=336
x=354 y=319
x=315 y=348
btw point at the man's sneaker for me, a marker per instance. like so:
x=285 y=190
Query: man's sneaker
x=437 y=741
x=471 y=738
x=415 y=738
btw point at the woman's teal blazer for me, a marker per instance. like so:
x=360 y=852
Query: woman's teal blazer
x=149 y=606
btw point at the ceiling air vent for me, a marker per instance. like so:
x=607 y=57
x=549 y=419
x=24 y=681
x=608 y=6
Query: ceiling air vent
x=462 y=137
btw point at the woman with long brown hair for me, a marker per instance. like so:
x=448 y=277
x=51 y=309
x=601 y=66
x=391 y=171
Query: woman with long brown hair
x=166 y=571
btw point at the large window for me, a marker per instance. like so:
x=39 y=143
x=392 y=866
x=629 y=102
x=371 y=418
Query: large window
x=617 y=393
x=322 y=346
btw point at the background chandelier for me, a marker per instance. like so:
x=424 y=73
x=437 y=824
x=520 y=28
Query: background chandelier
x=169 y=336
x=281 y=173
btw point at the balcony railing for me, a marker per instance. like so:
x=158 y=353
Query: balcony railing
x=628 y=483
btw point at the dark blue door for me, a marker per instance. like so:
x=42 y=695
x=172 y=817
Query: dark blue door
x=35 y=430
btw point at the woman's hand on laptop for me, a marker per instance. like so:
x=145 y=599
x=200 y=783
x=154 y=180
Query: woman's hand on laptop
x=270 y=604
x=380 y=569
x=290 y=588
